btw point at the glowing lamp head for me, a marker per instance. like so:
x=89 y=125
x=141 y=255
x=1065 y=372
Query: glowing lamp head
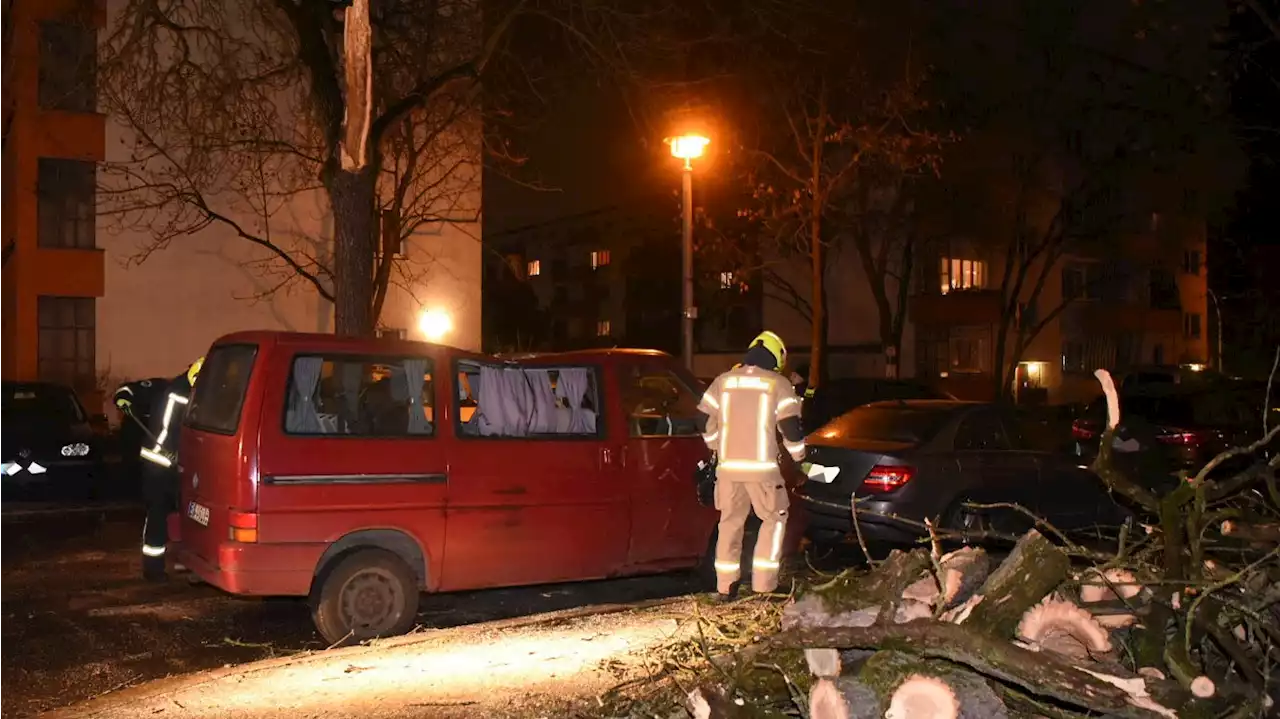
x=435 y=324
x=688 y=147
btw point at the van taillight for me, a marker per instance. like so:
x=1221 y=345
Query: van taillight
x=242 y=527
x=886 y=478
x=1082 y=430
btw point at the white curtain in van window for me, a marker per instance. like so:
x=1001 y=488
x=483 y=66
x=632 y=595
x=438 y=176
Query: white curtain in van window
x=505 y=402
x=303 y=416
x=572 y=386
x=351 y=375
x=543 y=419
x=415 y=373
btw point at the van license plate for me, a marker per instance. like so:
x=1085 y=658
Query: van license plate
x=198 y=513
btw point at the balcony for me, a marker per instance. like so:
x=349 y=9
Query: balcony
x=958 y=307
x=1107 y=318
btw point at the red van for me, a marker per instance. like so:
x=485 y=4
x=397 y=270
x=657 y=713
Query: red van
x=360 y=472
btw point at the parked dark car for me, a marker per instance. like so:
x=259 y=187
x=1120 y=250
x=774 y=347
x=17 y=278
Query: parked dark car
x=49 y=449
x=1175 y=426
x=835 y=397
x=911 y=460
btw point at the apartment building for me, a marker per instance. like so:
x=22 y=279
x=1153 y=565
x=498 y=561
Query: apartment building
x=1144 y=303
x=90 y=301
x=53 y=138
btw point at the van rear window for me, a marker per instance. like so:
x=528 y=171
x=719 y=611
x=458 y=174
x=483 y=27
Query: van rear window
x=543 y=402
x=220 y=389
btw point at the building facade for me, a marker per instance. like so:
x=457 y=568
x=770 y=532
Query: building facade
x=91 y=301
x=1143 y=302
x=54 y=269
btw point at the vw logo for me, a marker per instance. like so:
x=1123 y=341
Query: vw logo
x=195 y=480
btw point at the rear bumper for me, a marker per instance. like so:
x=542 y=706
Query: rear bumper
x=829 y=521
x=263 y=570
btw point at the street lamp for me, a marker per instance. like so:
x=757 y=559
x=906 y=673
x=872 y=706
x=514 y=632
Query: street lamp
x=435 y=324
x=687 y=148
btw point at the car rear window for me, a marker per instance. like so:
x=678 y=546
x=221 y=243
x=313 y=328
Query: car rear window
x=884 y=424
x=220 y=389
x=33 y=403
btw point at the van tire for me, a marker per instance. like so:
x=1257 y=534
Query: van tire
x=369 y=593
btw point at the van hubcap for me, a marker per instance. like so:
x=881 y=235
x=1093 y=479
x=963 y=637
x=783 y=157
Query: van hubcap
x=371 y=602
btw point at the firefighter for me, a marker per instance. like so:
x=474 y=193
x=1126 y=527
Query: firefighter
x=800 y=380
x=743 y=411
x=133 y=401
x=159 y=455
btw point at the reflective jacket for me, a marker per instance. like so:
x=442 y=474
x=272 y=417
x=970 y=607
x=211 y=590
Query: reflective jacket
x=139 y=397
x=746 y=408
x=167 y=412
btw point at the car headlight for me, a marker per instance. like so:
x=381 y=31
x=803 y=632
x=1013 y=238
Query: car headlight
x=78 y=449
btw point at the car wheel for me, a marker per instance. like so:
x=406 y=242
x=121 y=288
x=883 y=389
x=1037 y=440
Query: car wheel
x=370 y=593
x=967 y=521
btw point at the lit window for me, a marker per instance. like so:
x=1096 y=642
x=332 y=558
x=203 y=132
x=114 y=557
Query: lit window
x=535 y=268
x=599 y=258
x=962 y=274
x=726 y=280
x=602 y=328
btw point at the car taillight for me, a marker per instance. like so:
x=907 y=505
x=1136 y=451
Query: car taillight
x=886 y=478
x=1181 y=438
x=243 y=527
x=1082 y=430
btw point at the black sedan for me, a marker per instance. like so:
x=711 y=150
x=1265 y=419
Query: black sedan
x=907 y=461
x=49 y=450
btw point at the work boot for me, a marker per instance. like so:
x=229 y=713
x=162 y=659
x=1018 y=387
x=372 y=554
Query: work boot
x=153 y=569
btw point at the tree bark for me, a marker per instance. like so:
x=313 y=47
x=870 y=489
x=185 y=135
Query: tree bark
x=353 y=201
x=858 y=600
x=1033 y=570
x=1040 y=673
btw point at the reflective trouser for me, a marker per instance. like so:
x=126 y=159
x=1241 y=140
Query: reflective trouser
x=736 y=496
x=159 y=495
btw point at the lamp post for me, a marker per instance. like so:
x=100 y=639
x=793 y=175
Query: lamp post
x=1217 y=309
x=687 y=148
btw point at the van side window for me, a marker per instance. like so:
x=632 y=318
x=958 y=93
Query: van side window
x=504 y=400
x=658 y=404
x=359 y=396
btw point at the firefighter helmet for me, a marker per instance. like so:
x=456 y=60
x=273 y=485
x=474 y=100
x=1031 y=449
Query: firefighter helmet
x=774 y=344
x=194 y=370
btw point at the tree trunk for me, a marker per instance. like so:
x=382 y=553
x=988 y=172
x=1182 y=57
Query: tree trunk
x=1031 y=571
x=818 y=302
x=353 y=202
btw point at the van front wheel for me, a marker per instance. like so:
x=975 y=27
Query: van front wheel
x=368 y=594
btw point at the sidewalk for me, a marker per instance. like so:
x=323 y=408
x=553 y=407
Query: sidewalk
x=538 y=666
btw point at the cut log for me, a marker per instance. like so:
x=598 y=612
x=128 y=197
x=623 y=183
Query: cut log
x=823 y=662
x=1064 y=628
x=843 y=698
x=923 y=697
x=1033 y=570
x=857 y=600
x=964 y=571
x=1040 y=674
x=887 y=671
x=1261 y=533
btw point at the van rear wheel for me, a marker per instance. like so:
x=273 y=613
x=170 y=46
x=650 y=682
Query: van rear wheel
x=368 y=594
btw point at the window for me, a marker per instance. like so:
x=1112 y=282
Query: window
x=1163 y=292
x=509 y=401
x=881 y=424
x=963 y=274
x=726 y=280
x=68 y=67
x=65 y=196
x=602 y=328
x=1086 y=355
x=535 y=268
x=1080 y=282
x=1191 y=262
x=659 y=404
x=967 y=351
x=981 y=432
x=66 y=341
x=359 y=396
x=1191 y=325
x=1027 y=315
x=41 y=404
x=219 y=395
x=390 y=333
x=599 y=258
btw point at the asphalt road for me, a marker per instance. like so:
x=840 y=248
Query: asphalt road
x=79 y=621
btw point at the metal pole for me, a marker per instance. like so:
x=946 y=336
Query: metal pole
x=686 y=265
x=1217 y=309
